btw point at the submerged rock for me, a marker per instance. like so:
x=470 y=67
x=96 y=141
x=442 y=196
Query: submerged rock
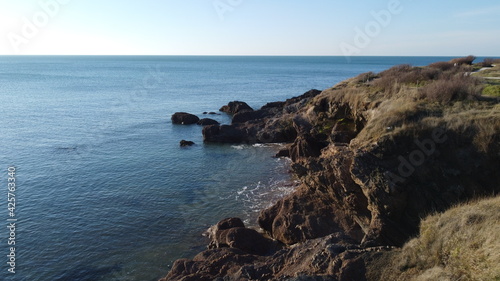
x=184 y=118
x=184 y=143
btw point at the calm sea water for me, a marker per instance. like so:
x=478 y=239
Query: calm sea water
x=104 y=192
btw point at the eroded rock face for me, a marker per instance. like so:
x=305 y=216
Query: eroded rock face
x=184 y=118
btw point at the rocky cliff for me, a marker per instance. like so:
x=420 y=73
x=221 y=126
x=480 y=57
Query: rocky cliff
x=375 y=154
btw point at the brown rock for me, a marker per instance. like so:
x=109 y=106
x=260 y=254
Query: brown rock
x=223 y=134
x=207 y=121
x=235 y=107
x=183 y=118
x=231 y=232
x=184 y=143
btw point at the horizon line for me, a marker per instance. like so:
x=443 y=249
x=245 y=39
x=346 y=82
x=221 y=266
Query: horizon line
x=154 y=55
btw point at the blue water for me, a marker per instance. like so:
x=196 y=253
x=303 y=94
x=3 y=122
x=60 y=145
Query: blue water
x=104 y=192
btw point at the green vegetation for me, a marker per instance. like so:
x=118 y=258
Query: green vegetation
x=492 y=91
x=491 y=72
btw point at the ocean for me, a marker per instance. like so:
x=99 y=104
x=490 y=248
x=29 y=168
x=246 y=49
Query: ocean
x=102 y=189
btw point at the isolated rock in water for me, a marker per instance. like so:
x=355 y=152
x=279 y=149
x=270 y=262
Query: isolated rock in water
x=185 y=143
x=207 y=121
x=184 y=118
x=235 y=107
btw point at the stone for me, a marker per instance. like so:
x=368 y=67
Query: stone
x=184 y=118
x=222 y=134
x=184 y=143
x=207 y=121
x=231 y=232
x=235 y=107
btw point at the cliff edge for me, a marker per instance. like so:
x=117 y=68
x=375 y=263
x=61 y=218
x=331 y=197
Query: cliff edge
x=375 y=154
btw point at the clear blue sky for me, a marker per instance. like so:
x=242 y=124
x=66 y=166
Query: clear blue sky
x=249 y=27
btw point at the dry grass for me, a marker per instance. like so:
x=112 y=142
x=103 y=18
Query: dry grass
x=407 y=102
x=404 y=75
x=461 y=244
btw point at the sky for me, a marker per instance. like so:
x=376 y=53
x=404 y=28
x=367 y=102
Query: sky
x=250 y=27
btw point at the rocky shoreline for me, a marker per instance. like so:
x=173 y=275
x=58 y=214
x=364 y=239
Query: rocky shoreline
x=374 y=154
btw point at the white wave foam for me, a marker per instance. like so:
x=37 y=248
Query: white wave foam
x=239 y=147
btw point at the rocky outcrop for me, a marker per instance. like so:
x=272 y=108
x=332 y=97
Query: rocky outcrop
x=270 y=124
x=184 y=118
x=373 y=159
x=333 y=257
x=231 y=232
x=207 y=121
x=235 y=107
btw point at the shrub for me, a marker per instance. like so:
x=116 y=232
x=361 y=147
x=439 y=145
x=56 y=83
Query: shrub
x=405 y=74
x=442 y=65
x=488 y=62
x=365 y=77
x=459 y=70
x=492 y=90
x=458 y=87
x=465 y=60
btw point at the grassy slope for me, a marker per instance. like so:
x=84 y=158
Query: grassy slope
x=461 y=244
x=464 y=242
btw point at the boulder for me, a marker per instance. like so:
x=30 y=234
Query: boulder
x=231 y=232
x=222 y=134
x=184 y=143
x=184 y=118
x=235 y=107
x=245 y=116
x=207 y=121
